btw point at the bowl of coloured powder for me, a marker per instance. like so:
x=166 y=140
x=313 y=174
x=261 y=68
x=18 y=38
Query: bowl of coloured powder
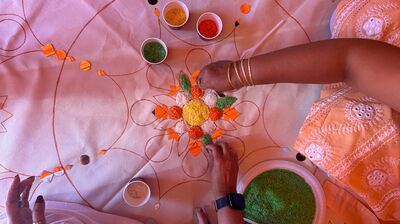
x=154 y=50
x=209 y=26
x=279 y=191
x=137 y=192
x=175 y=14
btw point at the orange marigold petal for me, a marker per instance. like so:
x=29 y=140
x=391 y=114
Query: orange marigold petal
x=85 y=65
x=68 y=167
x=196 y=92
x=215 y=113
x=217 y=134
x=48 y=50
x=195 y=150
x=101 y=72
x=175 y=112
x=172 y=134
x=245 y=8
x=156 y=12
x=70 y=59
x=161 y=112
x=102 y=152
x=61 y=54
x=230 y=114
x=173 y=90
x=195 y=132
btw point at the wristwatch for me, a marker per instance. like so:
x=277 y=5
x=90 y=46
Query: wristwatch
x=233 y=200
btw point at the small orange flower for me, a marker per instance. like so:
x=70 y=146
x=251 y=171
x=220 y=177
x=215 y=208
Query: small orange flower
x=195 y=132
x=215 y=114
x=175 y=112
x=196 y=92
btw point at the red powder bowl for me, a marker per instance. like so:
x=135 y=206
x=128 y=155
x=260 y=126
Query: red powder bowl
x=209 y=26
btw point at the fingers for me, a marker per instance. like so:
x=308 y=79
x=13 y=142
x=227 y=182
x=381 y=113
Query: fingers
x=215 y=150
x=201 y=216
x=13 y=195
x=26 y=185
x=38 y=213
x=227 y=151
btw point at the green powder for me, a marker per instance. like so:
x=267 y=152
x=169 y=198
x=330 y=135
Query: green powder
x=154 y=52
x=279 y=196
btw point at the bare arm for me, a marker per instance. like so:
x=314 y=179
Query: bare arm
x=370 y=67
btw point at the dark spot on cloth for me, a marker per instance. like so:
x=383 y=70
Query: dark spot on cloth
x=85 y=159
x=154 y=112
x=221 y=94
x=152 y=2
x=237 y=23
x=300 y=157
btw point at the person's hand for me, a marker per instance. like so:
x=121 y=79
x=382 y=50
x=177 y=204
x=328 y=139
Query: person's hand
x=17 y=204
x=224 y=168
x=214 y=76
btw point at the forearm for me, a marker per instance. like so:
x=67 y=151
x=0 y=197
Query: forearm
x=369 y=66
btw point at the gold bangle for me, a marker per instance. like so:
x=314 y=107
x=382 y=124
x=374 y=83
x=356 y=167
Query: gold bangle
x=250 y=74
x=244 y=72
x=229 y=76
x=238 y=74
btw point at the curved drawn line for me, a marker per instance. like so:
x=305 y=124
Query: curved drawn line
x=23 y=29
x=263 y=116
x=148 y=80
x=137 y=123
x=234 y=41
x=151 y=159
x=258 y=116
x=27 y=23
x=12 y=171
x=131 y=73
x=167 y=191
x=257 y=150
x=241 y=141
x=194 y=49
x=12 y=57
x=55 y=102
x=298 y=23
x=127 y=113
x=202 y=174
x=147 y=161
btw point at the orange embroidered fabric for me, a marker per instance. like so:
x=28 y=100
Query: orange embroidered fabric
x=353 y=137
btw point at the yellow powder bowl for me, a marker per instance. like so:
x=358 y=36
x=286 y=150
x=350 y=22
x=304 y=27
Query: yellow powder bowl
x=175 y=14
x=195 y=112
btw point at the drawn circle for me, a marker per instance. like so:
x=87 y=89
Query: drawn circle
x=9 y=41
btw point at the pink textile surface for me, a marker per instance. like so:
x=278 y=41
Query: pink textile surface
x=51 y=112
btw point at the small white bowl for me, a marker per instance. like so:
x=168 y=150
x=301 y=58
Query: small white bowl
x=210 y=16
x=175 y=4
x=142 y=191
x=149 y=40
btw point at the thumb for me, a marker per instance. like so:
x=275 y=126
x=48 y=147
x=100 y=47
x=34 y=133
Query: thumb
x=38 y=211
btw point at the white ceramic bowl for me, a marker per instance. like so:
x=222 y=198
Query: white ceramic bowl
x=149 y=40
x=143 y=193
x=310 y=179
x=211 y=16
x=175 y=4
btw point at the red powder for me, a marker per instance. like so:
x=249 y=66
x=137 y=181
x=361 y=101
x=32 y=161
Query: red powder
x=208 y=28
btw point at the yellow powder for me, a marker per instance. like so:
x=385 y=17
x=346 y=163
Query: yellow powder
x=195 y=112
x=175 y=16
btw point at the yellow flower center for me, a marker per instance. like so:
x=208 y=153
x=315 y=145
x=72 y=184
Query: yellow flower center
x=195 y=112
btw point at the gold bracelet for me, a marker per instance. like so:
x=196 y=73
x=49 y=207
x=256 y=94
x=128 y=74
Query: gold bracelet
x=229 y=76
x=238 y=74
x=244 y=72
x=250 y=74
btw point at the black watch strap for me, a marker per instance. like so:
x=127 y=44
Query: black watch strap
x=222 y=202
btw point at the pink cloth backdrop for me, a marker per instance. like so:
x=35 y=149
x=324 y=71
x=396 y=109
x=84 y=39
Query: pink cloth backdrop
x=51 y=112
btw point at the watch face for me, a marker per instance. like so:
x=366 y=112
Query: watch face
x=236 y=201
